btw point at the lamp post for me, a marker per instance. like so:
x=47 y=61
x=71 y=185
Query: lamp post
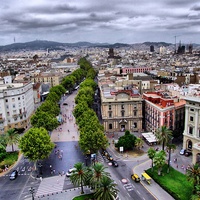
x=32 y=190
x=40 y=168
x=86 y=158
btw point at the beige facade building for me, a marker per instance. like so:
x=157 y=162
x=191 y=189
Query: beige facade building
x=121 y=110
x=191 y=140
x=54 y=78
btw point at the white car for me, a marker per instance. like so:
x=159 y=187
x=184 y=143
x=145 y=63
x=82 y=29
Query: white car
x=69 y=173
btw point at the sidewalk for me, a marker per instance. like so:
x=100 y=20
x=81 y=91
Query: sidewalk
x=153 y=188
x=63 y=195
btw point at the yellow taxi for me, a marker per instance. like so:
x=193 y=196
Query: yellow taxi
x=135 y=177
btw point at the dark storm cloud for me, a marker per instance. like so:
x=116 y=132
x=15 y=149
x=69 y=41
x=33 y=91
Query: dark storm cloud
x=96 y=19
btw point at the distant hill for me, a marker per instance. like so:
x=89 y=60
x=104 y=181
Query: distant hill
x=159 y=44
x=50 y=45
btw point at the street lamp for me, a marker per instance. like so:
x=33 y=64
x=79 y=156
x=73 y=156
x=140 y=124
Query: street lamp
x=40 y=168
x=86 y=158
x=31 y=190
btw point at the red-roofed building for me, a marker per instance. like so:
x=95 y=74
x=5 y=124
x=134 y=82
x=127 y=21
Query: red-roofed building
x=161 y=109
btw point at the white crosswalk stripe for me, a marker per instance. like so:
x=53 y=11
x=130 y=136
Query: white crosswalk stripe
x=50 y=185
x=128 y=187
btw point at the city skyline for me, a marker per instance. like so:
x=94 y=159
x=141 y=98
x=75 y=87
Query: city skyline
x=128 y=21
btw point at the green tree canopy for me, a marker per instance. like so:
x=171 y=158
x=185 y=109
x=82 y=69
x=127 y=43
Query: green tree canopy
x=54 y=97
x=49 y=107
x=193 y=175
x=45 y=120
x=96 y=173
x=36 y=144
x=88 y=83
x=163 y=134
x=107 y=190
x=80 y=109
x=12 y=137
x=159 y=160
x=151 y=153
x=127 y=141
x=79 y=177
x=58 y=89
x=92 y=141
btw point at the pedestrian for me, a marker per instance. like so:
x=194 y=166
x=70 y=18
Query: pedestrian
x=177 y=166
x=54 y=171
x=40 y=178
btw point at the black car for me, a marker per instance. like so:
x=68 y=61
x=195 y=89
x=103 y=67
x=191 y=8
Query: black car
x=114 y=163
x=188 y=153
x=65 y=104
x=14 y=175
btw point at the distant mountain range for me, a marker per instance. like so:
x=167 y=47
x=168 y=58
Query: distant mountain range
x=50 y=45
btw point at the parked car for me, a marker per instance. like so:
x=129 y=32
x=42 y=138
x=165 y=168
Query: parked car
x=182 y=151
x=65 y=104
x=14 y=175
x=69 y=173
x=135 y=177
x=114 y=163
x=188 y=153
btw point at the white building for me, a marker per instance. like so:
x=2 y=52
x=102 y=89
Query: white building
x=16 y=105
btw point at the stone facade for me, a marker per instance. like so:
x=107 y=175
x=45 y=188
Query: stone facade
x=191 y=140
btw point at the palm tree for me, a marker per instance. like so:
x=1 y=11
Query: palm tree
x=96 y=174
x=151 y=153
x=159 y=160
x=193 y=175
x=106 y=190
x=170 y=147
x=163 y=134
x=12 y=137
x=79 y=175
x=139 y=143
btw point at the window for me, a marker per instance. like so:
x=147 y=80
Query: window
x=13 y=99
x=110 y=114
x=123 y=112
x=135 y=125
x=18 y=98
x=190 y=130
x=109 y=107
x=122 y=106
x=110 y=126
x=135 y=113
x=8 y=114
x=13 y=105
x=191 y=118
x=6 y=100
x=191 y=109
x=198 y=133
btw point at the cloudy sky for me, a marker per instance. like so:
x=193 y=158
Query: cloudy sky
x=127 y=21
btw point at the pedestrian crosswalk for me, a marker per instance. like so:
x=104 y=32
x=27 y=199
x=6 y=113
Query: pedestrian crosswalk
x=23 y=170
x=50 y=185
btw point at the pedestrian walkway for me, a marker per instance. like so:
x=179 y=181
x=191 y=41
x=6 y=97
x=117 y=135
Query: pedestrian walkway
x=50 y=185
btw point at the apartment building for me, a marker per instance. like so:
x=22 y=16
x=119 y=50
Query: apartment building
x=54 y=78
x=160 y=109
x=121 y=110
x=191 y=140
x=16 y=105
